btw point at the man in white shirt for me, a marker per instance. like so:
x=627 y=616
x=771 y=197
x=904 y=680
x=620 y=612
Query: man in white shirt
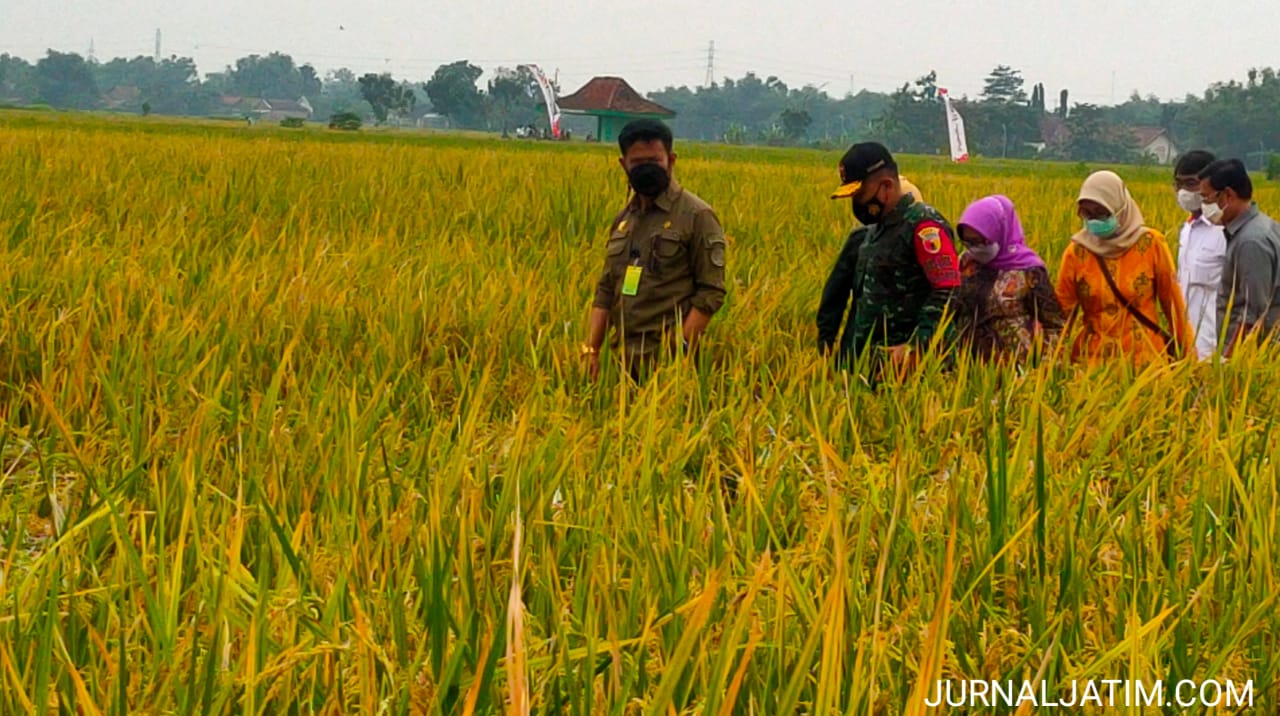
x=1202 y=249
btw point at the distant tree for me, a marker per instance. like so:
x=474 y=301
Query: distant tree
x=272 y=77
x=1004 y=84
x=1092 y=138
x=386 y=96
x=914 y=122
x=17 y=79
x=170 y=86
x=508 y=90
x=340 y=92
x=453 y=92
x=311 y=84
x=1062 y=104
x=65 y=80
x=795 y=123
x=1236 y=118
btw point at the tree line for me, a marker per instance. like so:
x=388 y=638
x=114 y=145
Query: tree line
x=1235 y=117
x=1231 y=118
x=173 y=86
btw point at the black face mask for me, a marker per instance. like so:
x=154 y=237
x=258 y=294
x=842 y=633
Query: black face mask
x=869 y=213
x=649 y=179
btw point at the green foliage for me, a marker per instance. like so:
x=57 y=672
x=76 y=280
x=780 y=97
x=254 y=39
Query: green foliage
x=347 y=121
x=65 y=81
x=386 y=96
x=795 y=123
x=1238 y=118
x=293 y=123
x=1273 y=167
x=914 y=122
x=17 y=80
x=1004 y=85
x=274 y=76
x=453 y=93
x=514 y=99
x=1092 y=137
x=755 y=104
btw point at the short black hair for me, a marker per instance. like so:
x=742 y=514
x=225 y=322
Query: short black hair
x=1193 y=162
x=644 y=130
x=1229 y=174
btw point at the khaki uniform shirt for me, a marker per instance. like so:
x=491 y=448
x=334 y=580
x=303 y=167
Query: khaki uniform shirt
x=679 y=247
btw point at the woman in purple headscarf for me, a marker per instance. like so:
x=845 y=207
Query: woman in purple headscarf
x=1006 y=303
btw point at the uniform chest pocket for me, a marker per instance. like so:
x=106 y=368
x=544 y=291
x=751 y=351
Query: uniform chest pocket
x=668 y=246
x=616 y=255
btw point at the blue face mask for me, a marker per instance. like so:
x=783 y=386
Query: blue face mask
x=1102 y=228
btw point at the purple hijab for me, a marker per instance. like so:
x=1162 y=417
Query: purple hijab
x=994 y=217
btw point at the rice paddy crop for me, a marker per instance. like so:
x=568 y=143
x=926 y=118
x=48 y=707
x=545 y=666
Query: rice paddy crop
x=296 y=423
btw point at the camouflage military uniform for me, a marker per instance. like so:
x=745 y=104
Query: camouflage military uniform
x=837 y=292
x=906 y=272
x=679 y=247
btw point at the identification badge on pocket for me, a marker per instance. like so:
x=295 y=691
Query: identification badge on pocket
x=631 y=282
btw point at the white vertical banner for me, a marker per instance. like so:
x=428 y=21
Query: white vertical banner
x=549 y=97
x=955 y=129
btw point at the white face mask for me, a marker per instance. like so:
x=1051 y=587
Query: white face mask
x=1212 y=212
x=1190 y=201
x=982 y=253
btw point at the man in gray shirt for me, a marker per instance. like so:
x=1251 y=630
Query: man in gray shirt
x=1249 y=298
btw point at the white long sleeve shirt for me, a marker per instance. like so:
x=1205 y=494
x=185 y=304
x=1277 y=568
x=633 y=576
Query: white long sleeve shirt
x=1202 y=249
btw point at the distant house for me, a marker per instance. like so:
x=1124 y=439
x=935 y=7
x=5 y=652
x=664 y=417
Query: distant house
x=432 y=120
x=613 y=103
x=278 y=109
x=237 y=106
x=122 y=97
x=1156 y=143
x=1053 y=133
x=268 y=109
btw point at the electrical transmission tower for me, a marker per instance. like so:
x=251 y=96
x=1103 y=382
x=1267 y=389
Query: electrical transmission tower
x=711 y=64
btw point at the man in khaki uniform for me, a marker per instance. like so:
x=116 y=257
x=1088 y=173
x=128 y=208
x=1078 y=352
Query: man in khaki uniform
x=664 y=263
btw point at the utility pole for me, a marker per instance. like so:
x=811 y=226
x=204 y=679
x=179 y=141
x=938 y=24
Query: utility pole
x=711 y=64
x=91 y=56
x=157 y=44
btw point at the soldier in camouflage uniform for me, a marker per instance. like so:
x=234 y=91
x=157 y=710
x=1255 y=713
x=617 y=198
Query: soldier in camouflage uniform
x=838 y=291
x=906 y=268
x=664 y=266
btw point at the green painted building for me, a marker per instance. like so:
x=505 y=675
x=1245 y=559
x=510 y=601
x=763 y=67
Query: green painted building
x=613 y=103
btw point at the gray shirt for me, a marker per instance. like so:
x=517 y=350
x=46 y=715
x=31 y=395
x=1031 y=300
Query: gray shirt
x=1250 y=292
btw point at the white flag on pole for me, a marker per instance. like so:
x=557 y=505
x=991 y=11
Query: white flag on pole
x=955 y=130
x=549 y=97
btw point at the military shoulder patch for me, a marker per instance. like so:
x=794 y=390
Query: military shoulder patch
x=937 y=255
x=930 y=238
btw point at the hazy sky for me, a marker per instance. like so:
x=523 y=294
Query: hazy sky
x=1097 y=49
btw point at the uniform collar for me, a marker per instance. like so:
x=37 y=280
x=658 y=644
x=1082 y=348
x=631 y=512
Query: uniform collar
x=665 y=200
x=1238 y=223
x=899 y=211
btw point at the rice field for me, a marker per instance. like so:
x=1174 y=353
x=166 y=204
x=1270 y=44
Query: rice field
x=296 y=423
